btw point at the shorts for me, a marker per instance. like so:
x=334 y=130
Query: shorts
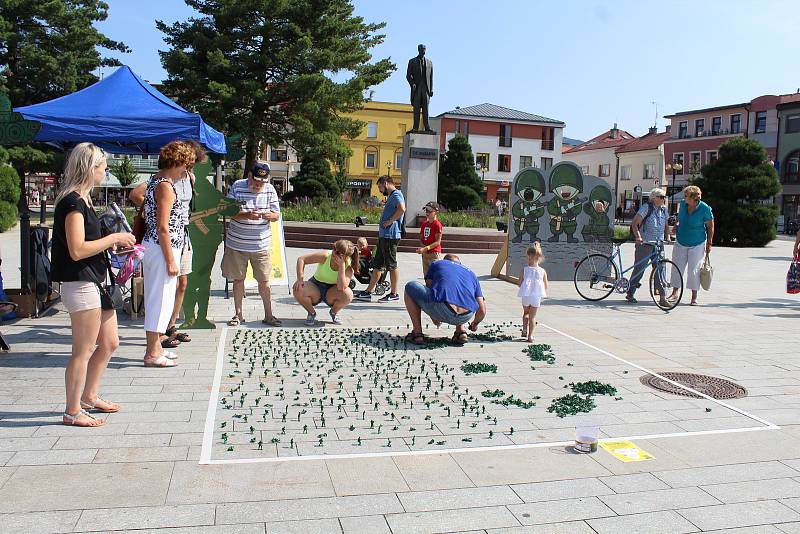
x=532 y=300
x=385 y=254
x=323 y=289
x=234 y=264
x=427 y=259
x=80 y=296
x=438 y=311
x=187 y=254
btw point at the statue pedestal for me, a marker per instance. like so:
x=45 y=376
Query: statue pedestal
x=420 y=176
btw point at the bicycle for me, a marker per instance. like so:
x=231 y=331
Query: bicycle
x=598 y=275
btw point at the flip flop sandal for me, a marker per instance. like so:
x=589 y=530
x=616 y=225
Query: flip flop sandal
x=459 y=339
x=172 y=332
x=161 y=361
x=272 y=321
x=235 y=321
x=93 y=406
x=71 y=419
x=170 y=355
x=416 y=338
x=170 y=343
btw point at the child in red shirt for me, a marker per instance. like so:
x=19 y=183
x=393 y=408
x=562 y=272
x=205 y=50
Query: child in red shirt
x=430 y=235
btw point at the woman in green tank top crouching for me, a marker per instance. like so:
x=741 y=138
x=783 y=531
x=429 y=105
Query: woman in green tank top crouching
x=330 y=283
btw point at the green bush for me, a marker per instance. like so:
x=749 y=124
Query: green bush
x=622 y=231
x=459 y=197
x=9 y=184
x=8 y=215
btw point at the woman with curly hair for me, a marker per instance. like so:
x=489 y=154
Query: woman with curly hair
x=79 y=263
x=694 y=238
x=163 y=243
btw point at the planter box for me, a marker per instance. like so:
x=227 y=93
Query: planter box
x=25 y=301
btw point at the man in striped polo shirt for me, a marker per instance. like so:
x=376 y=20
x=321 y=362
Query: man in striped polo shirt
x=249 y=239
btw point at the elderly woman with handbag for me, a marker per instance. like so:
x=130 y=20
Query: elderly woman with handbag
x=80 y=263
x=163 y=242
x=693 y=240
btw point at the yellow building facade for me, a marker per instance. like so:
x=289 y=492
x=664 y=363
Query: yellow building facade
x=378 y=150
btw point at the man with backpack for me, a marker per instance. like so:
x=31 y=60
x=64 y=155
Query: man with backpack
x=648 y=225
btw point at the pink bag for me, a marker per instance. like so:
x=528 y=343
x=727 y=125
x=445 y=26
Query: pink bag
x=131 y=261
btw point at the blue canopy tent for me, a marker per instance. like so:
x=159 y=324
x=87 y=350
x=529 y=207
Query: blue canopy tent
x=121 y=113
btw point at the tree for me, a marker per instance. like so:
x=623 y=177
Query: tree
x=125 y=173
x=49 y=48
x=315 y=178
x=275 y=71
x=9 y=196
x=456 y=173
x=738 y=186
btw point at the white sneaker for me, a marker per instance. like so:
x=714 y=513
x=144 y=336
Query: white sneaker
x=335 y=318
x=311 y=320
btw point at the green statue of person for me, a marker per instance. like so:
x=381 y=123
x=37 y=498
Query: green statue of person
x=529 y=188
x=205 y=231
x=599 y=226
x=566 y=183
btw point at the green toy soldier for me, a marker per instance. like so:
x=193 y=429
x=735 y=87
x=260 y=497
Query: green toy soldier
x=566 y=183
x=529 y=188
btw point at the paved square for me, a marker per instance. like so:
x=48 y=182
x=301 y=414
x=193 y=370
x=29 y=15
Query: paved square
x=339 y=392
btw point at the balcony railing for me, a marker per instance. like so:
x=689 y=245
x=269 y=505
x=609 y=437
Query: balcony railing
x=505 y=141
x=711 y=133
x=548 y=144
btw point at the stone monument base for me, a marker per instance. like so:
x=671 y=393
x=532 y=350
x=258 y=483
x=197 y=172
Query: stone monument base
x=420 y=176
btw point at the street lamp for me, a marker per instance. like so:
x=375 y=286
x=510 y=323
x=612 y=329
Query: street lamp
x=675 y=167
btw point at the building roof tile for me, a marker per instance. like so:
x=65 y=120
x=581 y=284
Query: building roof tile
x=648 y=141
x=493 y=111
x=607 y=139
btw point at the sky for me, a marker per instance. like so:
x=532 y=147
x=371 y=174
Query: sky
x=587 y=63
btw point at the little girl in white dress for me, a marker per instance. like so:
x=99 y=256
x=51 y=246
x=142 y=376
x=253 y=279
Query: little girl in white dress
x=532 y=288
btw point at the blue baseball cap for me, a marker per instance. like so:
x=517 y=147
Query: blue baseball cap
x=260 y=171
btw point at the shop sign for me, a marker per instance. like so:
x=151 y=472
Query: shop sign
x=358 y=184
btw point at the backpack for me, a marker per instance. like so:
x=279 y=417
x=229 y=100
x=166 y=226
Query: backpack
x=650 y=209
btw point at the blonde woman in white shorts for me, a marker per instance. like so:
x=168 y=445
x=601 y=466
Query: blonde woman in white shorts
x=79 y=263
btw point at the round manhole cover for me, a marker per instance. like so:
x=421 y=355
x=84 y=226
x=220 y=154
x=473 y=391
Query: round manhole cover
x=716 y=388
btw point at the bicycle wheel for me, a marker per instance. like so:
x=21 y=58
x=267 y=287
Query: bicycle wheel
x=661 y=276
x=595 y=277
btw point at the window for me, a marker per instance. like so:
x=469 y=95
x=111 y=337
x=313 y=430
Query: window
x=525 y=161
x=585 y=169
x=504 y=163
x=683 y=130
x=371 y=159
x=458 y=126
x=699 y=127
x=482 y=160
x=793 y=123
x=548 y=135
x=372 y=129
x=711 y=156
x=398 y=160
x=278 y=154
x=625 y=172
x=761 y=122
x=736 y=123
x=547 y=163
x=505 y=135
x=791 y=170
x=401 y=129
x=694 y=162
x=716 y=125
x=649 y=171
x=678 y=158
x=604 y=170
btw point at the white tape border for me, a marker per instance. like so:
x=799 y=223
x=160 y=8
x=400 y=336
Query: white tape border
x=208 y=435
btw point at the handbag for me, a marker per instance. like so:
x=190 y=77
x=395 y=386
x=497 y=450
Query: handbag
x=793 y=276
x=111 y=293
x=706 y=273
x=139 y=226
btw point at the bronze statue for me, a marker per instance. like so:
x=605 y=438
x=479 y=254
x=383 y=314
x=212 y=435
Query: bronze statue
x=420 y=77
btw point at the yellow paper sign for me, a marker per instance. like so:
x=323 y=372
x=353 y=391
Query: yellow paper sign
x=626 y=451
x=278 y=276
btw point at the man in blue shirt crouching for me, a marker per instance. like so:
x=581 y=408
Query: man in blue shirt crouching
x=451 y=294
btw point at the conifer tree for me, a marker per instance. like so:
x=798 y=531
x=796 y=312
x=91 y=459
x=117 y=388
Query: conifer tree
x=739 y=186
x=459 y=184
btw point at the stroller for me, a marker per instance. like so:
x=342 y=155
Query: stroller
x=365 y=274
